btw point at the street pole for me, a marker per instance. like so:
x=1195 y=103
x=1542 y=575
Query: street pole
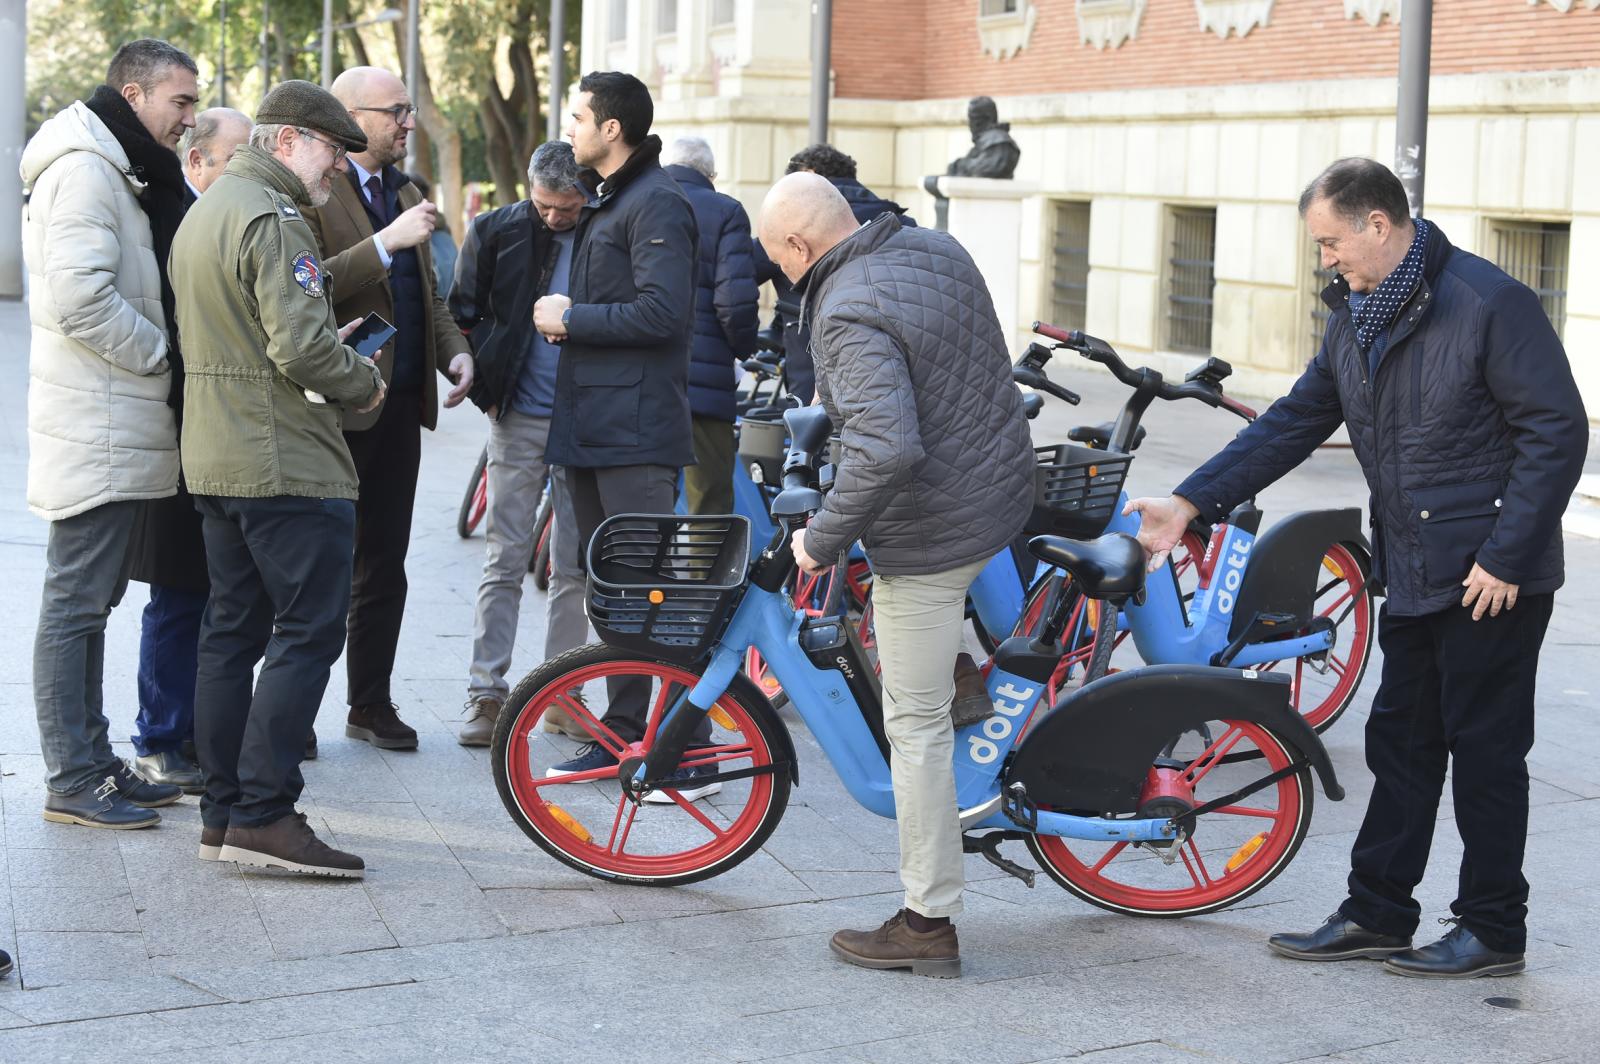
x=1411 y=122
x=327 y=43
x=558 y=68
x=222 y=60
x=821 y=61
x=413 y=70
x=13 y=115
x=266 y=40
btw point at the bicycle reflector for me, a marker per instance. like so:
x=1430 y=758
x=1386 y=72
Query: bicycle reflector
x=568 y=821
x=1244 y=853
x=720 y=717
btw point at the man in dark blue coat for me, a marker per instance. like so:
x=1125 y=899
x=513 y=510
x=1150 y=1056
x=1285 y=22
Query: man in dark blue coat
x=620 y=427
x=1462 y=410
x=724 y=323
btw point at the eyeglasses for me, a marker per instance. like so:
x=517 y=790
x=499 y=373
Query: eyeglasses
x=399 y=112
x=339 y=150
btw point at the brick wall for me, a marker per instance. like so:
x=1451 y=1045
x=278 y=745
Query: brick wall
x=906 y=49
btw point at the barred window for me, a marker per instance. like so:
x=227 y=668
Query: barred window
x=722 y=12
x=617 y=21
x=1535 y=253
x=1320 y=279
x=987 y=8
x=1069 y=282
x=1192 y=278
x=666 y=17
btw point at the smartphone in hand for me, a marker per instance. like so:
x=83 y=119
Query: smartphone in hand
x=367 y=339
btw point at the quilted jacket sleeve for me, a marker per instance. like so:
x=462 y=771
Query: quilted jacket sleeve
x=735 y=293
x=82 y=253
x=1531 y=381
x=869 y=388
x=1276 y=442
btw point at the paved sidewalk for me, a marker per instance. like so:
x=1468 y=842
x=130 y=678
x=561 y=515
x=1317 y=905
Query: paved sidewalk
x=466 y=943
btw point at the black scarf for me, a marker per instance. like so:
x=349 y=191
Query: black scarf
x=1382 y=305
x=157 y=166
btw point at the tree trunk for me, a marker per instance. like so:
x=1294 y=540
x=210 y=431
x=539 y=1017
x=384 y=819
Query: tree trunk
x=358 y=47
x=498 y=145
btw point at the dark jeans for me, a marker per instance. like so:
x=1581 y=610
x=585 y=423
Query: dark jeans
x=280 y=587
x=387 y=457
x=1459 y=692
x=169 y=639
x=708 y=484
x=594 y=495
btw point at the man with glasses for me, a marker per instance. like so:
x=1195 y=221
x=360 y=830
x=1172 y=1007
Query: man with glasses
x=374 y=235
x=267 y=381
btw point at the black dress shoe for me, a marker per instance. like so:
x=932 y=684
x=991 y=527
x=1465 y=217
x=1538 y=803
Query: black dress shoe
x=380 y=725
x=5 y=964
x=147 y=794
x=1338 y=939
x=311 y=748
x=1458 y=955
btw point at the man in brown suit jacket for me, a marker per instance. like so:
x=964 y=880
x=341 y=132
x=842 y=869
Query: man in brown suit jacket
x=374 y=234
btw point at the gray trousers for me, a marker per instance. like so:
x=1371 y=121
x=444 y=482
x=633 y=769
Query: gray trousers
x=86 y=571
x=919 y=622
x=516 y=481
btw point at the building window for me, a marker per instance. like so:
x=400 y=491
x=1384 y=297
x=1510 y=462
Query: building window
x=1320 y=279
x=1004 y=26
x=722 y=12
x=1535 y=253
x=988 y=8
x=617 y=21
x=1069 y=283
x=1192 y=277
x=666 y=17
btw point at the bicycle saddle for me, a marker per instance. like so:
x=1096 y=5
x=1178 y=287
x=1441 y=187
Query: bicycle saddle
x=1100 y=435
x=1111 y=567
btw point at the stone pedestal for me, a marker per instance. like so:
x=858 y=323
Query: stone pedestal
x=985 y=214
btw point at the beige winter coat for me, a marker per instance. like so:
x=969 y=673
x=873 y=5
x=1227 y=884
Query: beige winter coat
x=99 y=427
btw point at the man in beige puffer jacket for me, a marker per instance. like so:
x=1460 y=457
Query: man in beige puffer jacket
x=101 y=437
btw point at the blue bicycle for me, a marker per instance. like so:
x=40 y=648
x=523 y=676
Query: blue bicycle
x=1127 y=792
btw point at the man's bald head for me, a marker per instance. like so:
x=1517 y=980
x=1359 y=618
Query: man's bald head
x=205 y=150
x=802 y=219
x=374 y=96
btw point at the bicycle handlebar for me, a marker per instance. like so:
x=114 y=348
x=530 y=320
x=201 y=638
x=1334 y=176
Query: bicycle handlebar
x=1097 y=350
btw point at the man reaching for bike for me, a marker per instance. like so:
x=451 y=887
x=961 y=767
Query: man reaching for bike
x=1463 y=413
x=936 y=477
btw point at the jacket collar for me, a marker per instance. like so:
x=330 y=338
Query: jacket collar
x=1436 y=253
x=688 y=175
x=864 y=241
x=265 y=169
x=644 y=157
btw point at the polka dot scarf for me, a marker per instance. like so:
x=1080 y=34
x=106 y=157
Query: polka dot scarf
x=1382 y=305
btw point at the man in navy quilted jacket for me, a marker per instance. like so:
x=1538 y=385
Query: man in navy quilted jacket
x=724 y=322
x=1463 y=413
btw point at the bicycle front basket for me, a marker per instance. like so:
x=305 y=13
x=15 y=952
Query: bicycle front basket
x=1075 y=490
x=665 y=585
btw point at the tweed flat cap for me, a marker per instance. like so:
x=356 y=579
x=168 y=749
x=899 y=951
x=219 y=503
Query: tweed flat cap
x=300 y=103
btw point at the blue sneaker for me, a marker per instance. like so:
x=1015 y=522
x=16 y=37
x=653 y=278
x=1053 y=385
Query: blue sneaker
x=684 y=782
x=590 y=757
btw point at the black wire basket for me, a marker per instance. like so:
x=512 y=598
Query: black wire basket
x=1075 y=490
x=665 y=585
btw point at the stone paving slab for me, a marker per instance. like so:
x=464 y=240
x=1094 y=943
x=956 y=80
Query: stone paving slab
x=467 y=943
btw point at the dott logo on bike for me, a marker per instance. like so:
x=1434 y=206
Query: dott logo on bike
x=1008 y=703
x=1233 y=575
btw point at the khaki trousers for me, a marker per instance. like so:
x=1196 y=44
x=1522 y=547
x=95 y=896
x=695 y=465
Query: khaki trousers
x=919 y=622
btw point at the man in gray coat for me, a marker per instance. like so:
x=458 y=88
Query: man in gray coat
x=936 y=479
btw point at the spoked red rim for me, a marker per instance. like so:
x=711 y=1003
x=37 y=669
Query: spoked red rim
x=1342 y=595
x=585 y=815
x=480 y=502
x=1255 y=837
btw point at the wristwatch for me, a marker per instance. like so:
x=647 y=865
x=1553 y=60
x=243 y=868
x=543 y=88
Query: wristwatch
x=566 y=318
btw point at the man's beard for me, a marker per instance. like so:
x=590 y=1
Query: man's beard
x=313 y=179
x=391 y=154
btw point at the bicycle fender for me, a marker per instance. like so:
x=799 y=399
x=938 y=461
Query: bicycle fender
x=1282 y=570
x=1091 y=752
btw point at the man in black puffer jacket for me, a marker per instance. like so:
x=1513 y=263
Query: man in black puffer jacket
x=1463 y=413
x=936 y=478
x=724 y=323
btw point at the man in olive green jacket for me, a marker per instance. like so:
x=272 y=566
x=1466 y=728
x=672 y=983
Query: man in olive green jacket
x=267 y=381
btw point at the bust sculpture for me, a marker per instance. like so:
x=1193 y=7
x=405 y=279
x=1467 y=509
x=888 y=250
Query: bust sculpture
x=993 y=153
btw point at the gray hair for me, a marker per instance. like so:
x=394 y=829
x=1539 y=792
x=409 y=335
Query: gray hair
x=1356 y=187
x=265 y=136
x=553 y=167
x=692 y=152
x=144 y=63
x=207 y=124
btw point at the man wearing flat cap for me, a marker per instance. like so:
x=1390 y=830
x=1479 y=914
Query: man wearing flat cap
x=268 y=384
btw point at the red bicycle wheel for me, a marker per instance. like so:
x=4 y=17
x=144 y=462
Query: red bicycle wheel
x=476 y=500
x=542 y=566
x=1233 y=852
x=1324 y=688
x=585 y=821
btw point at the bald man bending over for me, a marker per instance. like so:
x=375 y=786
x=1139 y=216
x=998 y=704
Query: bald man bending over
x=936 y=478
x=374 y=235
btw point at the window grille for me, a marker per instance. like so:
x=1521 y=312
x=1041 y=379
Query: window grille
x=986 y=8
x=1535 y=253
x=1192 y=278
x=1070 y=280
x=1320 y=279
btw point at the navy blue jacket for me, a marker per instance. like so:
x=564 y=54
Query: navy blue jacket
x=725 y=319
x=1471 y=433
x=622 y=387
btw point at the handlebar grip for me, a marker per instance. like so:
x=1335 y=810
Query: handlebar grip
x=1237 y=407
x=1046 y=329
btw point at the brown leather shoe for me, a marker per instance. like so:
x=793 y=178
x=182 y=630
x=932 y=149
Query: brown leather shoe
x=482 y=712
x=290 y=844
x=972 y=694
x=896 y=945
x=558 y=721
x=380 y=725
x=211 y=843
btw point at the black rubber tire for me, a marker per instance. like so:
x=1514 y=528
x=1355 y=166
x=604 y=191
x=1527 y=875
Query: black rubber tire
x=466 y=520
x=539 y=566
x=549 y=674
